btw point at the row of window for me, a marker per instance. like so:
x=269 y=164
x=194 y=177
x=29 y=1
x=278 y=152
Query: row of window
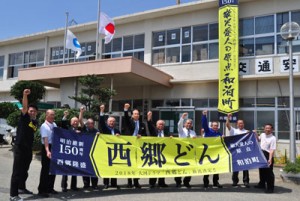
x=258 y=36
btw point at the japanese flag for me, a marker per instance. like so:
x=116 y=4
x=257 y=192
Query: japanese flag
x=107 y=27
x=73 y=44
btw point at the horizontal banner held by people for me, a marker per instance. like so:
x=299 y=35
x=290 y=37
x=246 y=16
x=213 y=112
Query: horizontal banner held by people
x=151 y=157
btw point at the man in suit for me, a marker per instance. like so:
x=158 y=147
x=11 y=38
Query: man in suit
x=135 y=128
x=185 y=131
x=156 y=131
x=74 y=126
x=108 y=128
x=89 y=129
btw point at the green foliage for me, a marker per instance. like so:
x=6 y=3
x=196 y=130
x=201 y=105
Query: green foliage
x=6 y=108
x=92 y=94
x=37 y=91
x=13 y=118
x=293 y=167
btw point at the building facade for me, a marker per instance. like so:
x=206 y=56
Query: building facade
x=166 y=60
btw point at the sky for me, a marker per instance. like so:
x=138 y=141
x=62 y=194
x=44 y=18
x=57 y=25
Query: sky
x=22 y=17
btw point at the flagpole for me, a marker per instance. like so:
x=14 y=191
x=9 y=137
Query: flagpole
x=65 y=37
x=97 y=34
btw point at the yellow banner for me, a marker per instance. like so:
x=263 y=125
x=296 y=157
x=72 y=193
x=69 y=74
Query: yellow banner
x=152 y=157
x=228 y=59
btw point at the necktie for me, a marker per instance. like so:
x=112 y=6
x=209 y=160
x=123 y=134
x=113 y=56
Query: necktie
x=136 y=128
x=188 y=133
x=159 y=134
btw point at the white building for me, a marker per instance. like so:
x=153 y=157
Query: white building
x=175 y=64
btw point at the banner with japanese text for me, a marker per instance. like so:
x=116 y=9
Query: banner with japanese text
x=148 y=157
x=228 y=57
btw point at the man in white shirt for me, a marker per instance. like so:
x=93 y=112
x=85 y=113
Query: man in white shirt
x=268 y=146
x=237 y=131
x=46 y=180
x=185 y=132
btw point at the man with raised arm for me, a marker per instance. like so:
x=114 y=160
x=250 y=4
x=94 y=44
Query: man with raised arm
x=185 y=131
x=210 y=132
x=27 y=126
x=136 y=128
x=108 y=128
x=237 y=131
x=156 y=131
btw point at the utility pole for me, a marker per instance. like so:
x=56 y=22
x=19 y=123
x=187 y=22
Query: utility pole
x=177 y=2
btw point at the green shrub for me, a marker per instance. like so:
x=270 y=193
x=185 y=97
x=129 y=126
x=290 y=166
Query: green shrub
x=37 y=141
x=293 y=167
x=6 y=108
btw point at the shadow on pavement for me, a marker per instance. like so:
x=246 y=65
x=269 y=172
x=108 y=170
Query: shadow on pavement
x=90 y=193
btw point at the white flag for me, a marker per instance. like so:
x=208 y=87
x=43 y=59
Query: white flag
x=107 y=27
x=73 y=44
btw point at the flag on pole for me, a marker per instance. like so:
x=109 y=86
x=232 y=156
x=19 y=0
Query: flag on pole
x=73 y=44
x=107 y=27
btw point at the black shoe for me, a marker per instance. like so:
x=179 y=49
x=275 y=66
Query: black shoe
x=116 y=186
x=24 y=191
x=188 y=185
x=163 y=185
x=75 y=189
x=86 y=187
x=152 y=186
x=105 y=186
x=178 y=185
x=269 y=191
x=52 y=191
x=137 y=186
x=217 y=186
x=247 y=185
x=129 y=186
x=64 y=190
x=235 y=185
x=95 y=188
x=260 y=186
x=44 y=195
x=205 y=187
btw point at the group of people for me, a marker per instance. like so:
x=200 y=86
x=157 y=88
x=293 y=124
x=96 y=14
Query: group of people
x=133 y=126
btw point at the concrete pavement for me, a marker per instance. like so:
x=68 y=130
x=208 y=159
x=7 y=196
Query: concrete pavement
x=283 y=190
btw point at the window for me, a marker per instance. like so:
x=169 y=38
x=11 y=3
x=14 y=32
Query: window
x=173 y=37
x=1 y=67
x=213 y=51
x=128 y=43
x=281 y=19
x=125 y=46
x=214 y=31
x=200 y=103
x=246 y=27
x=158 y=56
x=186 y=53
x=264 y=24
x=15 y=62
x=264 y=45
x=200 y=52
x=159 y=38
x=88 y=53
x=200 y=33
x=186 y=35
x=117 y=44
x=173 y=55
x=246 y=47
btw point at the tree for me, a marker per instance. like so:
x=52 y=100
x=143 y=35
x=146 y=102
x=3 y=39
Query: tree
x=6 y=108
x=37 y=91
x=92 y=94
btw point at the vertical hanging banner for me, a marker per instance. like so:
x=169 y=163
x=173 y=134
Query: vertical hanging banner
x=228 y=57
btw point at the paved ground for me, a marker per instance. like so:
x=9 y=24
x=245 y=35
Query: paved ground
x=283 y=190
